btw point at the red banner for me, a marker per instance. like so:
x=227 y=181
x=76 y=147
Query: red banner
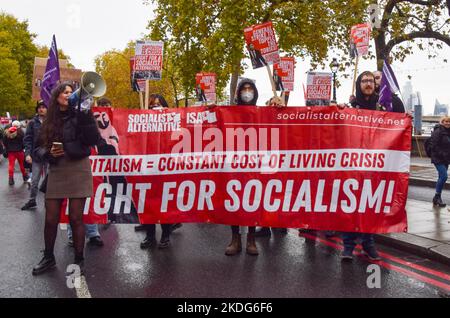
x=298 y=167
x=262 y=45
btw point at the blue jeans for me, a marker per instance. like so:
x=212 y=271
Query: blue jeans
x=443 y=176
x=91 y=230
x=350 y=238
x=36 y=170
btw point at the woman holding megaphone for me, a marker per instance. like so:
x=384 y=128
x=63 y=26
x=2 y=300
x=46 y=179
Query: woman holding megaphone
x=65 y=140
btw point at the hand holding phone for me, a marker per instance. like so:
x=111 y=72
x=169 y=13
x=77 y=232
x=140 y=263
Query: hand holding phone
x=57 y=149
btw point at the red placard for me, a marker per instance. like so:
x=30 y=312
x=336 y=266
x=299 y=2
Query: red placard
x=318 y=86
x=283 y=74
x=320 y=168
x=262 y=45
x=148 y=60
x=360 y=37
x=136 y=85
x=205 y=88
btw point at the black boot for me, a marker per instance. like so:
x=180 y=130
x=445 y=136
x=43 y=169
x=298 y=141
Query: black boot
x=164 y=242
x=79 y=260
x=140 y=227
x=148 y=242
x=47 y=262
x=175 y=226
x=29 y=205
x=437 y=200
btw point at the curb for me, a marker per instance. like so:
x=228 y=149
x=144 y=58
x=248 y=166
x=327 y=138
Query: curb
x=426 y=183
x=417 y=245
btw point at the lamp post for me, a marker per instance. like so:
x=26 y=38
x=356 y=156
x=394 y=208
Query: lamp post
x=334 y=68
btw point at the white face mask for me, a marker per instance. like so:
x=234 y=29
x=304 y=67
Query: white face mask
x=247 y=96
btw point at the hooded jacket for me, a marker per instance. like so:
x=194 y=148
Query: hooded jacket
x=32 y=137
x=13 y=141
x=440 y=145
x=360 y=101
x=238 y=100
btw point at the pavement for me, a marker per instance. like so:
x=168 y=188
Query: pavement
x=423 y=173
x=428 y=226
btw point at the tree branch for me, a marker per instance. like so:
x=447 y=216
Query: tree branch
x=416 y=35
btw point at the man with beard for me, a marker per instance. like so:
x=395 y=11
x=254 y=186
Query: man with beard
x=366 y=98
x=397 y=104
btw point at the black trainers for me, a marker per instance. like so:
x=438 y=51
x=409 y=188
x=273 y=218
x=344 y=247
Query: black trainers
x=80 y=263
x=70 y=242
x=140 y=227
x=347 y=254
x=29 y=205
x=96 y=240
x=372 y=254
x=46 y=263
x=263 y=232
x=164 y=243
x=175 y=226
x=11 y=181
x=148 y=242
x=26 y=178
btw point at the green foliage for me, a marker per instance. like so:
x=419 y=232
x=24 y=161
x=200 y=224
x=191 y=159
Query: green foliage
x=18 y=40
x=12 y=87
x=207 y=35
x=114 y=66
x=410 y=24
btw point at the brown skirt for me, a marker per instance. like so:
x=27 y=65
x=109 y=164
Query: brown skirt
x=70 y=179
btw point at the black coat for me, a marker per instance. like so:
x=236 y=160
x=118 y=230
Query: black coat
x=13 y=142
x=440 y=145
x=32 y=137
x=80 y=133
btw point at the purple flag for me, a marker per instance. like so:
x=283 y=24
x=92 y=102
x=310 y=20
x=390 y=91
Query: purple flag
x=388 y=86
x=51 y=76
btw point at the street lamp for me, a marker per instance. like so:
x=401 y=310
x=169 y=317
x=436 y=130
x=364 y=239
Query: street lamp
x=334 y=68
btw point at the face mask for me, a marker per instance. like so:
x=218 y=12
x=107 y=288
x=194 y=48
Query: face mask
x=247 y=96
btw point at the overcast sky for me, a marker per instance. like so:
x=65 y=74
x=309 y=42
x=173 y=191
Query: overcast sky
x=87 y=28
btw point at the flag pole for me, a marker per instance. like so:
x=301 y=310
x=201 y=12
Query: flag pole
x=147 y=93
x=355 y=75
x=141 y=100
x=269 y=71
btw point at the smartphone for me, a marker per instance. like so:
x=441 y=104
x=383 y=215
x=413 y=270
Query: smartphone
x=58 y=145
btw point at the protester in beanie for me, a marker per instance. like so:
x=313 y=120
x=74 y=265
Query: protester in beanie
x=70 y=175
x=13 y=142
x=246 y=94
x=157 y=102
x=366 y=98
x=30 y=141
x=440 y=156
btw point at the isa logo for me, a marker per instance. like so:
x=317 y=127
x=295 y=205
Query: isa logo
x=206 y=117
